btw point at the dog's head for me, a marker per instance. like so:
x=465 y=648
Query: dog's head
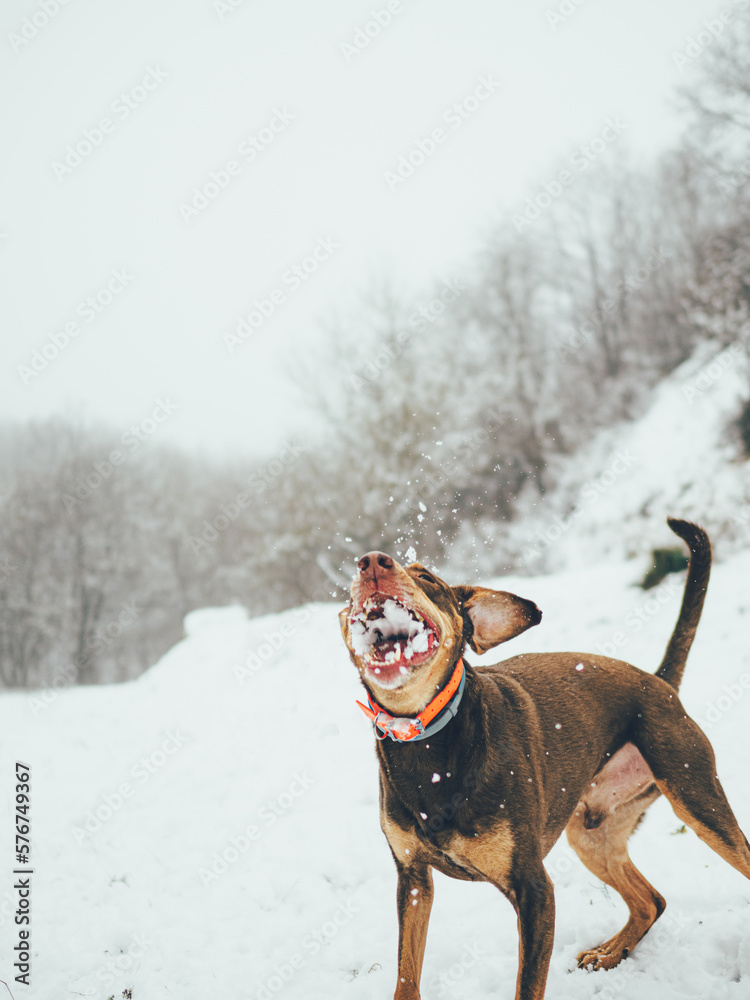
x=405 y=628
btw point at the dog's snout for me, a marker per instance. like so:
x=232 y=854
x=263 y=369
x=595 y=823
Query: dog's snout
x=373 y=560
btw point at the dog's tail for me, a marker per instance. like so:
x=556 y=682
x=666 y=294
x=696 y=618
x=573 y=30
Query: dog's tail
x=699 y=570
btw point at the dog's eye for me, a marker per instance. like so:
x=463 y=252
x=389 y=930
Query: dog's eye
x=426 y=576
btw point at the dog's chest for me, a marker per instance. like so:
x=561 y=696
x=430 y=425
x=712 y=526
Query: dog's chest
x=485 y=856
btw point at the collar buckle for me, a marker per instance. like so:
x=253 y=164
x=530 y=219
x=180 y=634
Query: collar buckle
x=400 y=729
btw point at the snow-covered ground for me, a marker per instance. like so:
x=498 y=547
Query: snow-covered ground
x=211 y=829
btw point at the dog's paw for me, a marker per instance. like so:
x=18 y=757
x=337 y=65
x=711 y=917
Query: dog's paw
x=606 y=956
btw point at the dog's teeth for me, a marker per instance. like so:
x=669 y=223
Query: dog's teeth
x=385 y=631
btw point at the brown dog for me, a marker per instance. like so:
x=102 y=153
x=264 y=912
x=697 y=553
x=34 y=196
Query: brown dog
x=482 y=768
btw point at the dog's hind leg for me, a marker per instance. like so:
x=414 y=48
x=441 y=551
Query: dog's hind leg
x=599 y=832
x=684 y=768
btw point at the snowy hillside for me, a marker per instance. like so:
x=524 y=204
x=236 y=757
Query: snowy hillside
x=211 y=829
x=679 y=458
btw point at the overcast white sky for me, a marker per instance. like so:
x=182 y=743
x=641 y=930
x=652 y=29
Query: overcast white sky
x=184 y=86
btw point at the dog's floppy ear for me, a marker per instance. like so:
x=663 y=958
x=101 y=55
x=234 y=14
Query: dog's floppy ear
x=494 y=616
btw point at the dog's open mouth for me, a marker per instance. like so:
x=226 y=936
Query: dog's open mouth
x=391 y=639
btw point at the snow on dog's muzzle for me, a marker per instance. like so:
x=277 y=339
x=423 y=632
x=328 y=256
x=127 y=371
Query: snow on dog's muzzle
x=391 y=639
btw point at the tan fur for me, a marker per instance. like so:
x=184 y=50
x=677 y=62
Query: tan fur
x=415 y=904
x=406 y=846
x=604 y=851
x=486 y=857
x=490 y=855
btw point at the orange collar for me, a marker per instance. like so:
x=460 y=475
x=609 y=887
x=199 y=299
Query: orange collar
x=405 y=729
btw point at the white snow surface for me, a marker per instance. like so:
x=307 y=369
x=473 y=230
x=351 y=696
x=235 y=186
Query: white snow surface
x=243 y=859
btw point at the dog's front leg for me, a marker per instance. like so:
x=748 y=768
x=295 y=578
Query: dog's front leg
x=414 y=900
x=534 y=900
